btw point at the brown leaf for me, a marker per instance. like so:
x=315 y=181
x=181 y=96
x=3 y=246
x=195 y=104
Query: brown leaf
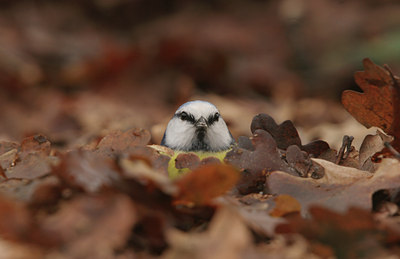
x=370 y=145
x=226 y=237
x=254 y=209
x=7 y=159
x=349 y=234
x=2 y=173
x=6 y=146
x=15 y=220
x=147 y=175
x=32 y=166
x=187 y=160
x=25 y=190
x=156 y=159
x=119 y=142
x=300 y=161
x=340 y=188
x=285 y=134
x=379 y=104
x=18 y=224
x=192 y=161
x=374 y=107
x=245 y=143
x=205 y=183
x=285 y=204
x=34 y=144
x=211 y=160
x=86 y=170
x=30 y=161
x=316 y=147
x=103 y=222
x=256 y=164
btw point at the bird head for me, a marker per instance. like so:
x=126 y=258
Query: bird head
x=197 y=126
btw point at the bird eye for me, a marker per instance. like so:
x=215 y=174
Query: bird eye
x=216 y=116
x=213 y=118
x=184 y=116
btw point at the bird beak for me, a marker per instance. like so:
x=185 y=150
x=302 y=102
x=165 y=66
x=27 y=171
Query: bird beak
x=201 y=123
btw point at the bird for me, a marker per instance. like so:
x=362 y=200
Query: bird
x=198 y=127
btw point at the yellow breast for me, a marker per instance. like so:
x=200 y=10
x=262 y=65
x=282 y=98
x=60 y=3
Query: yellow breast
x=175 y=172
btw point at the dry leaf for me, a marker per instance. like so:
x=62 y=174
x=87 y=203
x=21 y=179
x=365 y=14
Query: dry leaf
x=285 y=204
x=340 y=188
x=379 y=105
x=205 y=183
x=285 y=134
x=226 y=237
x=256 y=164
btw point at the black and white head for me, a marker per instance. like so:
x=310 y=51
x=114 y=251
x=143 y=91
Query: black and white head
x=197 y=126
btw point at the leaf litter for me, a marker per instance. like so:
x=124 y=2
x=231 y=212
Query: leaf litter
x=113 y=198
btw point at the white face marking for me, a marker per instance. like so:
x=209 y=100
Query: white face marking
x=184 y=135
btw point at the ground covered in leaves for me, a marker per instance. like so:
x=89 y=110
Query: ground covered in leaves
x=273 y=195
x=87 y=88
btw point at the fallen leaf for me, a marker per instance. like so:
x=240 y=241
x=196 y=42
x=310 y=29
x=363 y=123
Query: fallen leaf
x=301 y=162
x=18 y=224
x=149 y=232
x=7 y=159
x=86 y=170
x=254 y=209
x=15 y=220
x=370 y=145
x=10 y=249
x=158 y=161
x=6 y=146
x=315 y=148
x=187 y=160
x=285 y=134
x=38 y=144
x=340 y=188
x=211 y=160
x=285 y=204
x=33 y=166
x=284 y=246
x=31 y=160
x=255 y=165
x=245 y=143
x=374 y=107
x=103 y=221
x=202 y=185
x=349 y=234
x=24 y=190
x=144 y=173
x=191 y=161
x=119 y=142
x=162 y=150
x=379 y=104
x=226 y=237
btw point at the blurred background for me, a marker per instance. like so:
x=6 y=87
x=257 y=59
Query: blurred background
x=75 y=70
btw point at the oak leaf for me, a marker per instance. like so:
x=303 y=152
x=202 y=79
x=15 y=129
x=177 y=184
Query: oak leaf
x=285 y=134
x=340 y=188
x=379 y=104
x=342 y=235
x=255 y=165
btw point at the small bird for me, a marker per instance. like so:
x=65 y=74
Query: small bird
x=197 y=127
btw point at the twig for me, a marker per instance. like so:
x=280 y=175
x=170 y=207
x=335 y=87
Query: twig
x=346 y=146
x=395 y=153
